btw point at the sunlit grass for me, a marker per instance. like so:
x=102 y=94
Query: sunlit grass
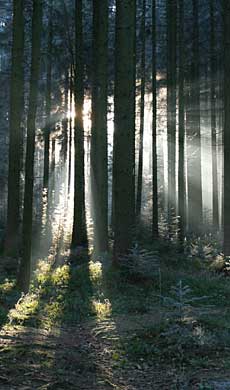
x=102 y=309
x=24 y=309
x=95 y=271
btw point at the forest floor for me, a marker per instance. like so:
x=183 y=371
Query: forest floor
x=86 y=326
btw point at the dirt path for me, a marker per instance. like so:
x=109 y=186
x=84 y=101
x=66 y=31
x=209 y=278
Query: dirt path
x=81 y=358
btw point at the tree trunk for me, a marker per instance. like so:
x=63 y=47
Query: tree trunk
x=99 y=148
x=142 y=115
x=124 y=131
x=79 y=236
x=194 y=168
x=181 y=173
x=70 y=126
x=226 y=13
x=213 y=55
x=15 y=130
x=48 y=99
x=154 y=127
x=171 y=103
x=25 y=265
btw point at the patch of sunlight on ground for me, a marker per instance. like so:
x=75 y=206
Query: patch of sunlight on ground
x=102 y=309
x=26 y=306
x=95 y=271
x=61 y=275
x=7 y=286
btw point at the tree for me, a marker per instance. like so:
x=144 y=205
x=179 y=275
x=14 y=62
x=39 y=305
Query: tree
x=99 y=148
x=15 y=129
x=25 y=265
x=71 y=88
x=124 y=131
x=226 y=13
x=171 y=101
x=181 y=173
x=142 y=113
x=48 y=97
x=194 y=165
x=79 y=236
x=154 y=126
x=213 y=115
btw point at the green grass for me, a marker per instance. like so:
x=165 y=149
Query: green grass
x=147 y=330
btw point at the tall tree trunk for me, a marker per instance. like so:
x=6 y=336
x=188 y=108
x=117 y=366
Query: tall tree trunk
x=194 y=168
x=181 y=173
x=213 y=58
x=226 y=13
x=124 y=132
x=25 y=265
x=70 y=125
x=154 y=127
x=99 y=148
x=15 y=129
x=48 y=98
x=171 y=102
x=142 y=114
x=79 y=236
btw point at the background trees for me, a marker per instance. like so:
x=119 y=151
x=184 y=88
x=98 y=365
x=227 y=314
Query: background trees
x=125 y=99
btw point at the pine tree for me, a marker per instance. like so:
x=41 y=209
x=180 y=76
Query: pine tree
x=15 y=128
x=25 y=265
x=226 y=13
x=181 y=173
x=79 y=236
x=154 y=126
x=48 y=97
x=142 y=112
x=171 y=101
x=99 y=148
x=124 y=132
x=194 y=167
x=213 y=115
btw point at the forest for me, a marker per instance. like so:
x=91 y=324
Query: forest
x=114 y=194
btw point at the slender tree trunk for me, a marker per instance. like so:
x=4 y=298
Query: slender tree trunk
x=124 y=121
x=99 y=148
x=181 y=173
x=226 y=13
x=154 y=127
x=15 y=129
x=142 y=114
x=48 y=98
x=79 y=236
x=171 y=103
x=25 y=265
x=194 y=169
x=65 y=119
x=213 y=55
x=70 y=126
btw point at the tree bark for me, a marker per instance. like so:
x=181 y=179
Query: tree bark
x=124 y=132
x=25 y=265
x=15 y=130
x=79 y=235
x=99 y=147
x=226 y=13
x=181 y=173
x=213 y=54
x=171 y=103
x=48 y=99
x=142 y=115
x=194 y=167
x=155 y=230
